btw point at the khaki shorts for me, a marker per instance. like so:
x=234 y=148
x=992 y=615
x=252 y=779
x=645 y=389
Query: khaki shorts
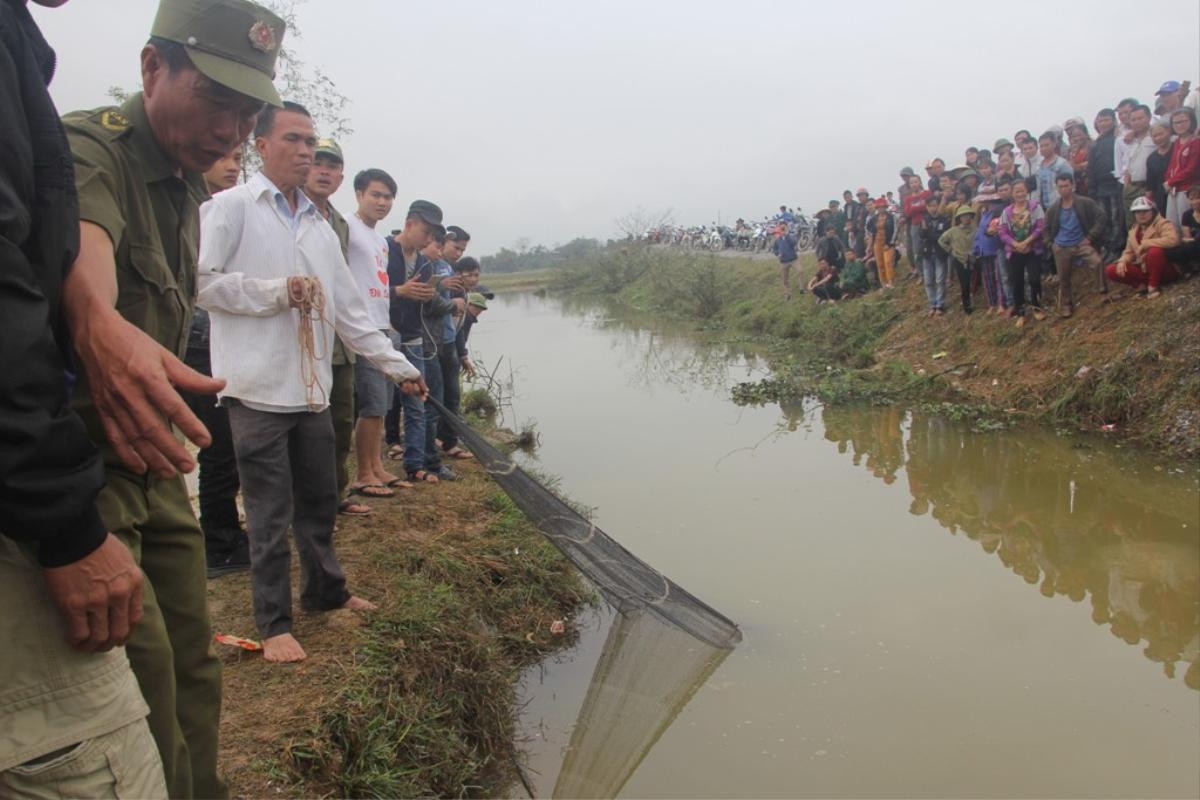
x=121 y=764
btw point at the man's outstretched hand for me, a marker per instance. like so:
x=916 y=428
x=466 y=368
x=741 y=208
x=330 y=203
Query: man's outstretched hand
x=133 y=382
x=100 y=596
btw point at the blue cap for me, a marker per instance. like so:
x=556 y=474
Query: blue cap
x=1170 y=87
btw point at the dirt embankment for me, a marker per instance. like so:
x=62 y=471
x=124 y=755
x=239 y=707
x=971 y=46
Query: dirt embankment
x=1125 y=365
x=418 y=698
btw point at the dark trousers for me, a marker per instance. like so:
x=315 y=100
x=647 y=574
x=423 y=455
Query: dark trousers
x=341 y=409
x=1112 y=202
x=966 y=274
x=1025 y=277
x=391 y=420
x=451 y=392
x=218 y=468
x=287 y=463
x=433 y=379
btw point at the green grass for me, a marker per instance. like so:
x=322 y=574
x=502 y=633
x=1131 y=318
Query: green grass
x=428 y=705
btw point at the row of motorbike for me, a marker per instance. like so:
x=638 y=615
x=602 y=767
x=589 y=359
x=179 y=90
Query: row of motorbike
x=751 y=237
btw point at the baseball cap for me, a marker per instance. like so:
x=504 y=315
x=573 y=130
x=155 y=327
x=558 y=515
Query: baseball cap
x=232 y=42
x=1142 y=204
x=1002 y=142
x=904 y=173
x=477 y=299
x=1074 y=122
x=881 y=202
x=328 y=147
x=457 y=234
x=862 y=190
x=426 y=212
x=1169 y=87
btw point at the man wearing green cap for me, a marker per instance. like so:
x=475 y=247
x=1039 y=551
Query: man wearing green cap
x=206 y=73
x=328 y=171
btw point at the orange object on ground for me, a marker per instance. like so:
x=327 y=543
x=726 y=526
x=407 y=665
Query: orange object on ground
x=237 y=641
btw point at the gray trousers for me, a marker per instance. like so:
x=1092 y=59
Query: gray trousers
x=286 y=462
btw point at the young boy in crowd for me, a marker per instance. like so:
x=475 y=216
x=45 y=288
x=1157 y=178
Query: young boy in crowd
x=467 y=270
x=824 y=285
x=933 y=260
x=958 y=242
x=476 y=305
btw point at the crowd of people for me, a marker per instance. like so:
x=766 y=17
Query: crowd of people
x=137 y=265
x=1123 y=204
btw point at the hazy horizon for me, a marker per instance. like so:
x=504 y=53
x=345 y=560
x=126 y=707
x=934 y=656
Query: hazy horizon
x=550 y=121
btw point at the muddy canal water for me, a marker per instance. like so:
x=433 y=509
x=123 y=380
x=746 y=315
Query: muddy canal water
x=927 y=611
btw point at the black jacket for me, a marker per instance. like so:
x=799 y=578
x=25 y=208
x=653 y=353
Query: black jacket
x=1100 y=166
x=832 y=250
x=889 y=227
x=1091 y=219
x=411 y=318
x=50 y=473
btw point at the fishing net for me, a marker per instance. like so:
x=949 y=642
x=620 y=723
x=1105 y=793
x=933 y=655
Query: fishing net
x=625 y=580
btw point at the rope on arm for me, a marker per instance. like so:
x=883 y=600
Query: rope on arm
x=310 y=302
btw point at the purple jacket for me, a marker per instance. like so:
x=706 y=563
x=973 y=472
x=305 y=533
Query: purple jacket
x=1038 y=222
x=986 y=246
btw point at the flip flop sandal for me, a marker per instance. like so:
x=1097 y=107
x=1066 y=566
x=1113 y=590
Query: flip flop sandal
x=376 y=490
x=459 y=453
x=396 y=452
x=422 y=476
x=399 y=483
x=346 y=506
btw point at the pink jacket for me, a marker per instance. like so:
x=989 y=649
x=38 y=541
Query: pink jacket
x=1038 y=219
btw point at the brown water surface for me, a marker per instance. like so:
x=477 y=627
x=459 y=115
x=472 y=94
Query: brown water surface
x=927 y=611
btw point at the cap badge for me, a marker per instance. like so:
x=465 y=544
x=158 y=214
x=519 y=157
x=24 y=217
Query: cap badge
x=262 y=38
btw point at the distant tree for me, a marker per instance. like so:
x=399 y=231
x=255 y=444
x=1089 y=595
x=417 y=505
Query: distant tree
x=538 y=256
x=634 y=224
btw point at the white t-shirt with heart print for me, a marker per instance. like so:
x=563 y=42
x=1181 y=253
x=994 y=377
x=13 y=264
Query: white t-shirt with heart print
x=368 y=265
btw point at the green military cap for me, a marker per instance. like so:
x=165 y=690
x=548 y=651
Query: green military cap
x=328 y=147
x=233 y=42
x=476 y=299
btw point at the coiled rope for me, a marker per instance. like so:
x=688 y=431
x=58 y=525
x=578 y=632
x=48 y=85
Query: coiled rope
x=310 y=299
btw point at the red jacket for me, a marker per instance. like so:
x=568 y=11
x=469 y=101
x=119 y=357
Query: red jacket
x=1184 y=169
x=914 y=207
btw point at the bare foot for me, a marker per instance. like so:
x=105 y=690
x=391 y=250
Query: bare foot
x=356 y=603
x=283 y=649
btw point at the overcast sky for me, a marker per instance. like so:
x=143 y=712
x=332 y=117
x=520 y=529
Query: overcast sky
x=549 y=120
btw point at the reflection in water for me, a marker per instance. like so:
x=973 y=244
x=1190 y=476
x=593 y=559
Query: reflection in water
x=646 y=674
x=1075 y=523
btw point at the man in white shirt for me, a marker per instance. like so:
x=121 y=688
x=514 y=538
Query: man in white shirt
x=1131 y=155
x=1031 y=158
x=375 y=191
x=266 y=259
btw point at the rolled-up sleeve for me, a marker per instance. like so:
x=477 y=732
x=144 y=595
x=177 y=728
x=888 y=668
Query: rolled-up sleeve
x=231 y=292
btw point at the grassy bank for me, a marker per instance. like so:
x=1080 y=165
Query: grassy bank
x=417 y=699
x=519 y=281
x=1129 y=366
